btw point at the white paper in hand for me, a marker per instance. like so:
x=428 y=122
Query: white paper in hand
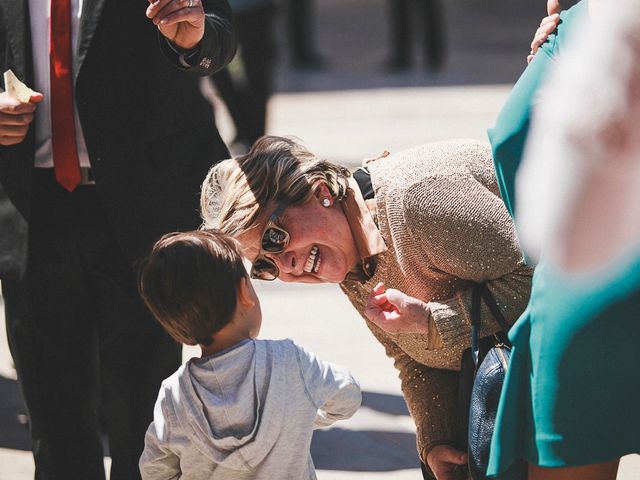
x=15 y=88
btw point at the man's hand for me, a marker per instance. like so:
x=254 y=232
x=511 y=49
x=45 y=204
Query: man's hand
x=180 y=21
x=396 y=312
x=15 y=118
x=443 y=460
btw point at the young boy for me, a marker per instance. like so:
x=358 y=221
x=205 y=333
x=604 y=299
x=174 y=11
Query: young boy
x=246 y=408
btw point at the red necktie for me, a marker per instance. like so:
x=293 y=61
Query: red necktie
x=63 y=132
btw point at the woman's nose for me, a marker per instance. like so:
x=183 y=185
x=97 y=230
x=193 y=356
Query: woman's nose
x=288 y=263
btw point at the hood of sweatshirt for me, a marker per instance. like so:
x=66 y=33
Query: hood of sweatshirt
x=229 y=405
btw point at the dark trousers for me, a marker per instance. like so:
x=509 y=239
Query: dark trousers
x=300 y=26
x=84 y=346
x=246 y=95
x=401 y=25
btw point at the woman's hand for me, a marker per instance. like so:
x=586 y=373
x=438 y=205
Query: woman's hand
x=396 y=312
x=180 y=21
x=443 y=461
x=548 y=25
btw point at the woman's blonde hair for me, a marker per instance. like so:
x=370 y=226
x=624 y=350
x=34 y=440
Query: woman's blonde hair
x=276 y=169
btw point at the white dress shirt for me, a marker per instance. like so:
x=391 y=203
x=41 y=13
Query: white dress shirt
x=39 y=13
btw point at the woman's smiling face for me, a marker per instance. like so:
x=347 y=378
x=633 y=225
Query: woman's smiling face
x=321 y=248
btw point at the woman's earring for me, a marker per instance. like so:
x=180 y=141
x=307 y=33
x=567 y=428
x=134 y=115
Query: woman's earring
x=326 y=203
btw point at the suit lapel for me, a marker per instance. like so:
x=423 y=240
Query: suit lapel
x=16 y=22
x=91 y=11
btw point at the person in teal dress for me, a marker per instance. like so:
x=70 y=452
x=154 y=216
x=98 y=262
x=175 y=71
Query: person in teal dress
x=508 y=135
x=569 y=405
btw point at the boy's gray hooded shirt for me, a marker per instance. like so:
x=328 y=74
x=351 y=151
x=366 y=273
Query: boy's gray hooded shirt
x=246 y=414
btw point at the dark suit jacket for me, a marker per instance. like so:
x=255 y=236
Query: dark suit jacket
x=149 y=132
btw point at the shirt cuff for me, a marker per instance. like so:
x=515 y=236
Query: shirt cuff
x=186 y=58
x=453 y=329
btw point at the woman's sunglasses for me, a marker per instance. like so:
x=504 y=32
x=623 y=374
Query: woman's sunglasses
x=274 y=240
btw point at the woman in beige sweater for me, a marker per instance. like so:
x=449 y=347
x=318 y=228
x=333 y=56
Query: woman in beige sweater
x=406 y=237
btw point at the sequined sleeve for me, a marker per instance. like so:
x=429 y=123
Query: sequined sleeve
x=430 y=393
x=466 y=232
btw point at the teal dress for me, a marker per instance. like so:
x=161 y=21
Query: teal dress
x=508 y=136
x=571 y=393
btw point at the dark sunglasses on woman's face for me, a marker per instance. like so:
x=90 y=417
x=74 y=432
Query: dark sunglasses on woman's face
x=274 y=240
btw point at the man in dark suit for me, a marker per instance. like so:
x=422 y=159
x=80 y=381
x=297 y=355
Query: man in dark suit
x=107 y=156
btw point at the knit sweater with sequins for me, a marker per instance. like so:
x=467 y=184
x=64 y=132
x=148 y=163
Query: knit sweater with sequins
x=440 y=213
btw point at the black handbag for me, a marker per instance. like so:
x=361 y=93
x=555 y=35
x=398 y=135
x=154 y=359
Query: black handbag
x=482 y=373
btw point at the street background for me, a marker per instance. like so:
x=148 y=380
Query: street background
x=352 y=110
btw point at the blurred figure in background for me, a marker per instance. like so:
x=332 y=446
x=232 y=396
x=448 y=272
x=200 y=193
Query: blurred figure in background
x=301 y=37
x=246 y=84
x=569 y=403
x=433 y=43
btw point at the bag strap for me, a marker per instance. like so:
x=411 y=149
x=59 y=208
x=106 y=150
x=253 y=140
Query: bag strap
x=481 y=292
x=495 y=309
x=476 y=297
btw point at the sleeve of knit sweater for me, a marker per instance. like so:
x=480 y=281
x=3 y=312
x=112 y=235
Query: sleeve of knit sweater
x=430 y=393
x=466 y=232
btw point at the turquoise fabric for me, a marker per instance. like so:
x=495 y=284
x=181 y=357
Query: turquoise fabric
x=508 y=135
x=571 y=393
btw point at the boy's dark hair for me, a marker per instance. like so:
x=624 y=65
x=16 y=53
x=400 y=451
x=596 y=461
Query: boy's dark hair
x=189 y=281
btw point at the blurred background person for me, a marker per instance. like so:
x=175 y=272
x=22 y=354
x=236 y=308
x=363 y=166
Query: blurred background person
x=246 y=85
x=301 y=35
x=402 y=16
x=569 y=405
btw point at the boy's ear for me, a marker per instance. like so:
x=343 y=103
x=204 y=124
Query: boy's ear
x=245 y=291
